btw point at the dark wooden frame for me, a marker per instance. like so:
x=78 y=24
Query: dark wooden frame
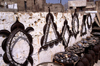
x=7 y=45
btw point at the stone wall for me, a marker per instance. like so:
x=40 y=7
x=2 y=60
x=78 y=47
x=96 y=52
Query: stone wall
x=37 y=21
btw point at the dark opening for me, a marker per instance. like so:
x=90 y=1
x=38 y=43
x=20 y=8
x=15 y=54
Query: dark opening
x=71 y=8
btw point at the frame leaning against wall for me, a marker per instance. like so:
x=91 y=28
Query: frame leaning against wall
x=17 y=31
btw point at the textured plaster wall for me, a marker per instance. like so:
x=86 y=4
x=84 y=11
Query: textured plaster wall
x=37 y=21
x=73 y=3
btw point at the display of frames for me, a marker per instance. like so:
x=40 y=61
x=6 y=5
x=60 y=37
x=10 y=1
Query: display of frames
x=18 y=38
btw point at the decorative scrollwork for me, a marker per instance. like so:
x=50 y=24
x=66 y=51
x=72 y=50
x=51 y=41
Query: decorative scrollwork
x=12 y=42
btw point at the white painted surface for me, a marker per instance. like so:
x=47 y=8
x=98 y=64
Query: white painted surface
x=74 y=3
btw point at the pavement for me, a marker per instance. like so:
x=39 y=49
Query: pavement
x=97 y=64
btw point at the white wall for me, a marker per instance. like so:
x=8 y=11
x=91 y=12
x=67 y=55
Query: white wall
x=28 y=19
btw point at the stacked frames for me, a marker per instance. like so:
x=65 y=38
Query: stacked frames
x=61 y=37
x=8 y=45
x=44 y=43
